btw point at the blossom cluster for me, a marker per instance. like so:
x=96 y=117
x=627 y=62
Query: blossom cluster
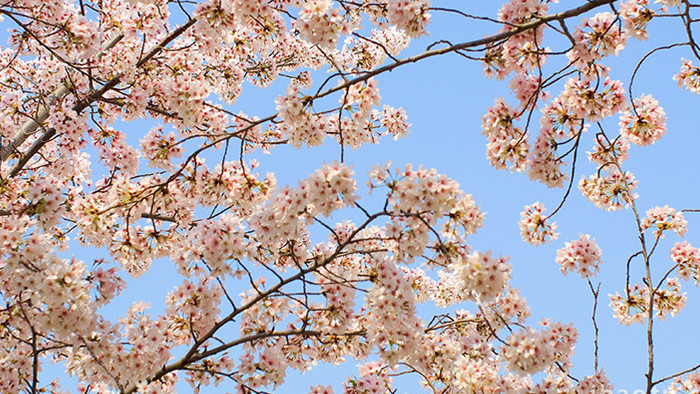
x=340 y=302
x=330 y=188
x=362 y=54
x=301 y=126
x=534 y=228
x=160 y=149
x=529 y=351
x=319 y=23
x=420 y=198
x=411 y=16
x=392 y=324
x=597 y=383
x=633 y=307
x=585 y=102
x=544 y=165
x=689 y=77
x=483 y=277
x=521 y=52
x=687 y=258
x=664 y=218
x=374 y=378
x=636 y=15
x=598 y=37
x=609 y=153
x=507 y=143
x=610 y=192
x=647 y=124
x=685 y=383
x=582 y=255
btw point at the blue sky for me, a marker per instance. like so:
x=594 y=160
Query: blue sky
x=445 y=98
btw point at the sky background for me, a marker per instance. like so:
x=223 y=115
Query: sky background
x=445 y=98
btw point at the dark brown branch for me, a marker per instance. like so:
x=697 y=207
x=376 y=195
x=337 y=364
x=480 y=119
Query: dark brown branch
x=675 y=375
x=595 y=291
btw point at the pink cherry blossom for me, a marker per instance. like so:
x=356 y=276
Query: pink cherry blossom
x=685 y=384
x=634 y=307
x=582 y=255
x=687 y=258
x=507 y=144
x=483 y=277
x=318 y=23
x=646 y=124
x=636 y=15
x=606 y=153
x=534 y=228
x=597 y=383
x=411 y=16
x=689 y=77
x=530 y=351
x=610 y=192
x=319 y=389
x=664 y=218
x=598 y=36
x=374 y=378
x=585 y=102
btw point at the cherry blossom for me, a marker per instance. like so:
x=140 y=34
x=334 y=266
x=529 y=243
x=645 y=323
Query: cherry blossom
x=506 y=142
x=647 y=124
x=409 y=15
x=160 y=149
x=687 y=258
x=585 y=102
x=363 y=55
x=374 y=378
x=475 y=375
x=582 y=255
x=610 y=192
x=530 y=351
x=634 y=307
x=631 y=308
x=129 y=142
x=534 y=227
x=605 y=153
x=597 y=383
x=664 y=218
x=636 y=15
x=670 y=300
x=319 y=389
x=544 y=165
x=689 y=77
x=685 y=384
x=482 y=276
x=597 y=37
x=318 y=23
x=521 y=52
